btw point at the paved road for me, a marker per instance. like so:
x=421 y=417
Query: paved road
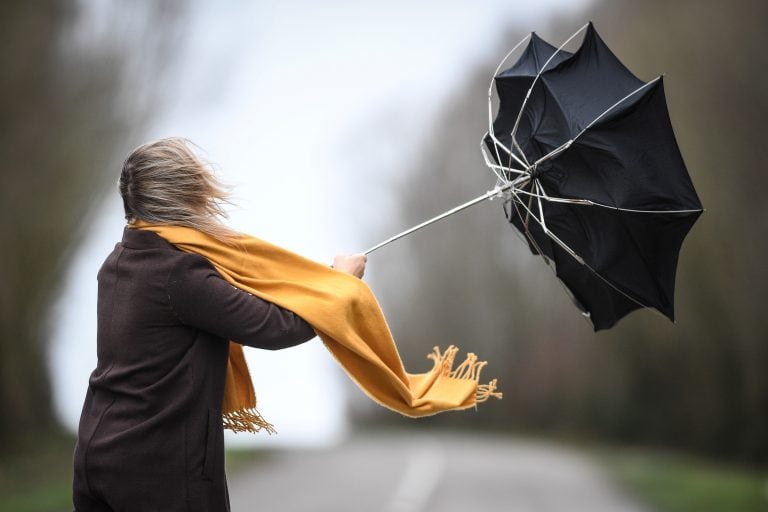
x=417 y=472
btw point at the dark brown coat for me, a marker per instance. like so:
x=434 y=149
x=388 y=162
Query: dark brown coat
x=150 y=436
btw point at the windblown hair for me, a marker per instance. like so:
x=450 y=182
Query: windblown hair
x=164 y=182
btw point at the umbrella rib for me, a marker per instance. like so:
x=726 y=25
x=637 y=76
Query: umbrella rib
x=498 y=68
x=498 y=144
x=551 y=235
x=491 y=132
x=531 y=240
x=494 y=167
x=541 y=206
x=536 y=79
x=616 y=105
x=528 y=215
x=528 y=235
x=520 y=149
x=588 y=202
x=579 y=259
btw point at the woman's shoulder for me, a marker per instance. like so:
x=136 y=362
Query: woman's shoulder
x=189 y=267
x=145 y=255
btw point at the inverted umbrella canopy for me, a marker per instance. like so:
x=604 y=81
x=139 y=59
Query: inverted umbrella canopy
x=586 y=157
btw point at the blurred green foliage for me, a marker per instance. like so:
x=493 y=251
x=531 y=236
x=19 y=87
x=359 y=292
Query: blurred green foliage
x=36 y=476
x=73 y=93
x=674 y=483
x=699 y=384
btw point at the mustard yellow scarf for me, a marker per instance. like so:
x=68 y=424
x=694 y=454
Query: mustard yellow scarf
x=345 y=315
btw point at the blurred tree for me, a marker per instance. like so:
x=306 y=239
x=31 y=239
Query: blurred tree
x=75 y=87
x=699 y=384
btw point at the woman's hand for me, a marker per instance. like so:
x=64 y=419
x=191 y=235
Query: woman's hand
x=351 y=264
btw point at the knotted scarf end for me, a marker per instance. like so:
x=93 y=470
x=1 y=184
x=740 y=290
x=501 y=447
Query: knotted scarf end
x=486 y=391
x=468 y=370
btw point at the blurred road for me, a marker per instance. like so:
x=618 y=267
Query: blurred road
x=418 y=472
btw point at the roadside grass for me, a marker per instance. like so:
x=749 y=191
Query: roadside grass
x=239 y=458
x=37 y=477
x=678 y=483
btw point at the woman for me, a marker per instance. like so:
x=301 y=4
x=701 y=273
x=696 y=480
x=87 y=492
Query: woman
x=151 y=434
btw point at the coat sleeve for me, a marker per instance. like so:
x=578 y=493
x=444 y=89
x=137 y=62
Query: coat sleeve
x=201 y=298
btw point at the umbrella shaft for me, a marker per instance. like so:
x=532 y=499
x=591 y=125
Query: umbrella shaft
x=488 y=195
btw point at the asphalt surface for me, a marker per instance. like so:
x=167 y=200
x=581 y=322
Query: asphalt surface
x=428 y=473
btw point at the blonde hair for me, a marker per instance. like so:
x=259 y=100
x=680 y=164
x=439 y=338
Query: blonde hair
x=165 y=182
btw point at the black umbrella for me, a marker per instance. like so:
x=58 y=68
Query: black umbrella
x=595 y=179
x=585 y=155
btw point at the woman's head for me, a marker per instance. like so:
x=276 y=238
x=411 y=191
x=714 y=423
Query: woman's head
x=164 y=182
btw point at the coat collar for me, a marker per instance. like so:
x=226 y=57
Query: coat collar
x=142 y=239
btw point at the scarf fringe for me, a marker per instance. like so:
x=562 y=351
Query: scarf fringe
x=444 y=361
x=468 y=370
x=486 y=391
x=247 y=420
